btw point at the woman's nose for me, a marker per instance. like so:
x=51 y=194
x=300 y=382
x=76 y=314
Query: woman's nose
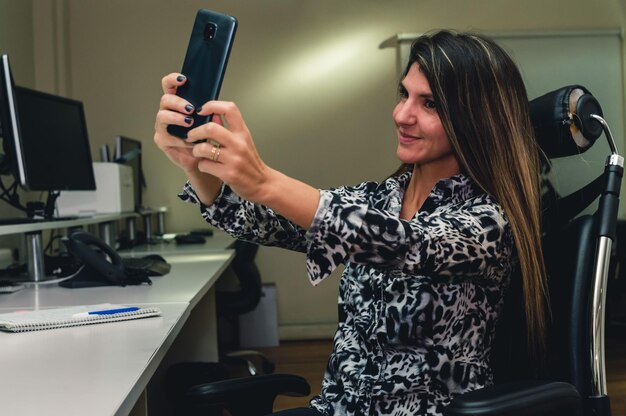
x=402 y=114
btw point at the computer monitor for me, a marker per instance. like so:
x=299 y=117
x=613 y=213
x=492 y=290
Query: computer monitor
x=128 y=151
x=9 y=119
x=45 y=144
x=52 y=150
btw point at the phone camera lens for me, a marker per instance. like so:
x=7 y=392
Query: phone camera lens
x=209 y=31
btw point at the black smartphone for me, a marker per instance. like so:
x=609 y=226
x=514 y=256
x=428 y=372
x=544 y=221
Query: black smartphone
x=205 y=63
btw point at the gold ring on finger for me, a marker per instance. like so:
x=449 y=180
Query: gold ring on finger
x=215 y=153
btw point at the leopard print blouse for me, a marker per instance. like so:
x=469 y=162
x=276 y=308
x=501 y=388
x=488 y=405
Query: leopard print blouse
x=418 y=299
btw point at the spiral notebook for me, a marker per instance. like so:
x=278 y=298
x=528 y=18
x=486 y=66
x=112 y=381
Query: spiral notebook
x=72 y=316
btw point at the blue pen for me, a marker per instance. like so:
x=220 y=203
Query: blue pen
x=106 y=312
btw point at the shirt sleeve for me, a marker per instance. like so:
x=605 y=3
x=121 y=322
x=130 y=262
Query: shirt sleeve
x=469 y=239
x=248 y=221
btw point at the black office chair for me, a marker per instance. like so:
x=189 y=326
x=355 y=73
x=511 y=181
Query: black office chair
x=232 y=361
x=616 y=286
x=572 y=379
x=577 y=249
x=232 y=304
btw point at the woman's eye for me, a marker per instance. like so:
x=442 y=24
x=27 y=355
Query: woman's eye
x=430 y=104
x=402 y=93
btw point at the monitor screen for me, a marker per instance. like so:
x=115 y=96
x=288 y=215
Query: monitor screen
x=53 y=151
x=9 y=125
x=128 y=151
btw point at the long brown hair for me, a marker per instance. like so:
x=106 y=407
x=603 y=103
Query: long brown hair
x=483 y=106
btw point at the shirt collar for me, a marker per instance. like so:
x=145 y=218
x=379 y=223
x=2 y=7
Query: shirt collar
x=452 y=190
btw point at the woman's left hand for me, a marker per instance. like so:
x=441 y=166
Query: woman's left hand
x=229 y=152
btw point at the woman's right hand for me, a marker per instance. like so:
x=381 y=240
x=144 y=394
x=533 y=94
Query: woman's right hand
x=175 y=110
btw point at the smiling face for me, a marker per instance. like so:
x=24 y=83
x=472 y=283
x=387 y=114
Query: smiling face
x=422 y=140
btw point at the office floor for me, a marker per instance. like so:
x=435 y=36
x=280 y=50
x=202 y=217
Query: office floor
x=308 y=359
x=304 y=358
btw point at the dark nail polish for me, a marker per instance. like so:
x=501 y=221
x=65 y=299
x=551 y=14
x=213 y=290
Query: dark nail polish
x=199 y=109
x=180 y=78
x=189 y=108
x=188 y=120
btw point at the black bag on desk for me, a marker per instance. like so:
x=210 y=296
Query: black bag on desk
x=102 y=265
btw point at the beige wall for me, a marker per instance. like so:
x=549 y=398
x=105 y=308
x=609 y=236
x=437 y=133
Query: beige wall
x=16 y=37
x=308 y=75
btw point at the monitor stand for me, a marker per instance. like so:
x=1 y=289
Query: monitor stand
x=37 y=209
x=35 y=266
x=36 y=271
x=51 y=203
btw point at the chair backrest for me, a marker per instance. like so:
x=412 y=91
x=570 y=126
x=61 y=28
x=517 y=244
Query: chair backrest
x=570 y=259
x=250 y=285
x=570 y=250
x=569 y=255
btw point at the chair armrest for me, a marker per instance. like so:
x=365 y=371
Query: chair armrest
x=246 y=358
x=517 y=399
x=248 y=396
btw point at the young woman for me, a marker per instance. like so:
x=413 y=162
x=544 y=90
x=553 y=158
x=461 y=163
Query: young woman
x=428 y=252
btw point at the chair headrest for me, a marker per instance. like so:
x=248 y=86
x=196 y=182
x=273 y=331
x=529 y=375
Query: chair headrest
x=562 y=123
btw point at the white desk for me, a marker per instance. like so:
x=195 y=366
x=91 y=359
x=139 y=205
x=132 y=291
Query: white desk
x=189 y=280
x=103 y=369
x=89 y=370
